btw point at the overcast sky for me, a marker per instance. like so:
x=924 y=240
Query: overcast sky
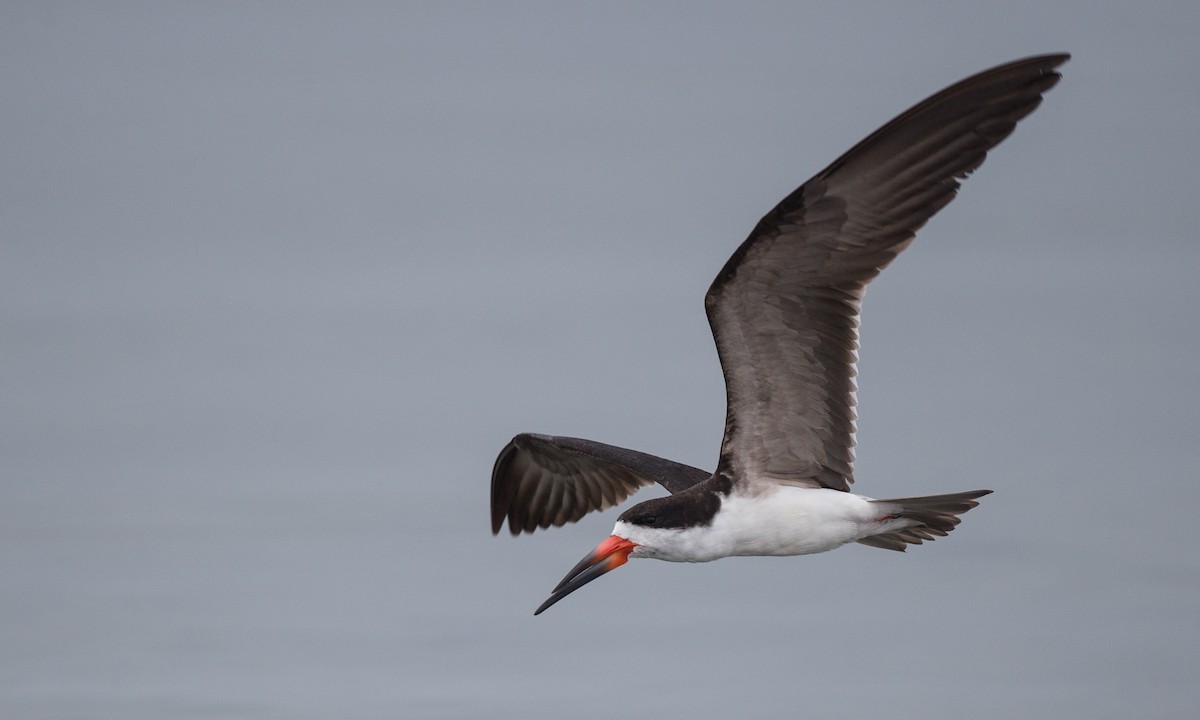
x=278 y=281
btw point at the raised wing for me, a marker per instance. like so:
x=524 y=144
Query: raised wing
x=784 y=309
x=539 y=480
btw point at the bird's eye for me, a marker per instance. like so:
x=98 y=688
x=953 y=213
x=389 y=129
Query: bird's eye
x=651 y=519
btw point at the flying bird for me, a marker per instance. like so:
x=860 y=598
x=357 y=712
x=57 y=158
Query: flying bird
x=784 y=314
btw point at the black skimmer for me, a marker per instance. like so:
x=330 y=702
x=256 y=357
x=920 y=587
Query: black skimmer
x=784 y=314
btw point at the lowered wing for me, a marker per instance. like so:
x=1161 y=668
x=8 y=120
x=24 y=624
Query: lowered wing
x=539 y=481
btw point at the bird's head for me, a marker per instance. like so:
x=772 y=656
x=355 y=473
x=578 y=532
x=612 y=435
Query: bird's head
x=659 y=528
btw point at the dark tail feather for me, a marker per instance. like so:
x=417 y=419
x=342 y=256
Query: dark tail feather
x=935 y=515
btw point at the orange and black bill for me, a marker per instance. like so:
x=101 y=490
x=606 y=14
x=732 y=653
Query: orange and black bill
x=608 y=555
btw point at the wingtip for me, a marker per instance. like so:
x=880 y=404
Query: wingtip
x=1051 y=60
x=1057 y=58
x=501 y=496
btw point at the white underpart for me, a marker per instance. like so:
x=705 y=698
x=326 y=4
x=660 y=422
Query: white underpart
x=785 y=520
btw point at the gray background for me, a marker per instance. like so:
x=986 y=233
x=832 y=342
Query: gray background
x=277 y=282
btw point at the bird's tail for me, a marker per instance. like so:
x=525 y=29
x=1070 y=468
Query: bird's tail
x=933 y=516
